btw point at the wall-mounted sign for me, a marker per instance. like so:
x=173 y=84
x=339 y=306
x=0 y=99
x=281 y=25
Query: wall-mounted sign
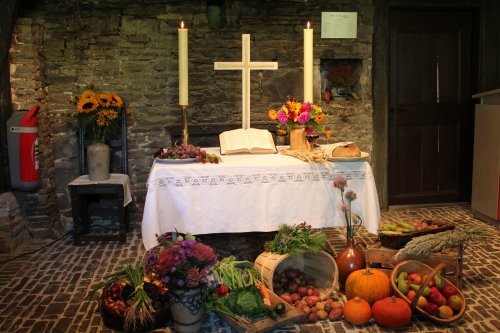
x=339 y=24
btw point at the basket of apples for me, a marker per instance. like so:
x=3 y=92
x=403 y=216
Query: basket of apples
x=427 y=291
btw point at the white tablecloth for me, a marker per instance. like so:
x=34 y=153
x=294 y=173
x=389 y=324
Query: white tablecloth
x=253 y=192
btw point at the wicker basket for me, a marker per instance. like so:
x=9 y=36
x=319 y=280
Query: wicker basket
x=417 y=266
x=116 y=321
x=319 y=265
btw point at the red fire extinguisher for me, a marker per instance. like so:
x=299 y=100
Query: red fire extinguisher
x=28 y=146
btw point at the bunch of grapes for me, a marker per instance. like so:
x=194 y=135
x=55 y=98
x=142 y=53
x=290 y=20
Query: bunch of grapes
x=184 y=151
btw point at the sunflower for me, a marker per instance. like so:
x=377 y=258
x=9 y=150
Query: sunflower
x=87 y=95
x=115 y=99
x=88 y=104
x=104 y=100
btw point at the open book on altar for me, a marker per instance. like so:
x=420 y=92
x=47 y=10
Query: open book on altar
x=250 y=140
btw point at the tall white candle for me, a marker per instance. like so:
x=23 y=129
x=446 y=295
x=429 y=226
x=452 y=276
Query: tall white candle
x=183 y=64
x=308 y=63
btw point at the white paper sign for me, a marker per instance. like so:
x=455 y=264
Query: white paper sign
x=339 y=24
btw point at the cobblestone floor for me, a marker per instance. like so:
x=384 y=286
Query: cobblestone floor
x=43 y=291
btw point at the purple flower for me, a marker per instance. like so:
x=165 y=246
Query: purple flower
x=180 y=283
x=340 y=182
x=350 y=195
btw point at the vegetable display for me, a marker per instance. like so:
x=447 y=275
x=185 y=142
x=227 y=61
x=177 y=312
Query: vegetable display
x=296 y=239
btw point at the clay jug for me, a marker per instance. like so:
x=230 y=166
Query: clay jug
x=349 y=260
x=298 y=140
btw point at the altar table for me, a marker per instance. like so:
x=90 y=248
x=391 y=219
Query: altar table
x=253 y=192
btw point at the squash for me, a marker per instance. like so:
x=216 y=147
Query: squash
x=369 y=284
x=357 y=311
x=391 y=312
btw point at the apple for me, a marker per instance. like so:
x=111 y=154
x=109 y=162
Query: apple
x=315 y=291
x=449 y=290
x=335 y=314
x=431 y=308
x=431 y=283
x=414 y=278
x=291 y=272
x=437 y=298
x=445 y=312
x=455 y=302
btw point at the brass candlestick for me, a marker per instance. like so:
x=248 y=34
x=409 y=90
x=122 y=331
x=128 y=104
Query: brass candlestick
x=185 y=133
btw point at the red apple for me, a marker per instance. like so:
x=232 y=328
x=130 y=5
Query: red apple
x=431 y=283
x=431 y=308
x=437 y=298
x=414 y=278
x=449 y=290
x=335 y=314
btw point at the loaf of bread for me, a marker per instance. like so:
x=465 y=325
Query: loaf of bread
x=350 y=150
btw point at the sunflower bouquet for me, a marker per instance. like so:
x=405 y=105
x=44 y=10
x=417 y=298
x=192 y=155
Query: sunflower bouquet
x=99 y=115
x=293 y=113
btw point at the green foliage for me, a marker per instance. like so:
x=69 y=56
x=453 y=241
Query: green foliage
x=296 y=239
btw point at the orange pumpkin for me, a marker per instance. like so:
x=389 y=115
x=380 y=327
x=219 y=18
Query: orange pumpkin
x=357 y=311
x=391 y=312
x=369 y=284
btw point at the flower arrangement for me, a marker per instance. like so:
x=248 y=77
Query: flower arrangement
x=296 y=239
x=341 y=76
x=99 y=114
x=181 y=264
x=294 y=113
x=353 y=221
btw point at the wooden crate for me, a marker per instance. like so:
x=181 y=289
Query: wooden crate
x=378 y=256
x=292 y=315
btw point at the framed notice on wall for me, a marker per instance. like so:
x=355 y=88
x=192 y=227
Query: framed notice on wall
x=339 y=24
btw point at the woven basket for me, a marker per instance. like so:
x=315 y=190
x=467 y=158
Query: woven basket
x=421 y=268
x=116 y=321
x=319 y=265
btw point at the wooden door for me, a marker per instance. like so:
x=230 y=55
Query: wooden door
x=431 y=110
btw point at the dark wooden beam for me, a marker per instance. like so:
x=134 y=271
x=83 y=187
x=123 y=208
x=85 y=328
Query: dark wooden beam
x=8 y=15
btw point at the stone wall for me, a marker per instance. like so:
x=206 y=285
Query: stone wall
x=29 y=87
x=131 y=47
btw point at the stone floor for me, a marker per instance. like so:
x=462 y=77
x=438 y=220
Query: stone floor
x=43 y=290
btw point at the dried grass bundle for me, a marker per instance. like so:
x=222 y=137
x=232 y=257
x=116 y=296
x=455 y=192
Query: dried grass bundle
x=309 y=156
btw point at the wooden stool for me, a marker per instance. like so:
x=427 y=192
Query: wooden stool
x=378 y=256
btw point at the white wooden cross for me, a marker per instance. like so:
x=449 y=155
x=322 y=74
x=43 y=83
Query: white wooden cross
x=245 y=66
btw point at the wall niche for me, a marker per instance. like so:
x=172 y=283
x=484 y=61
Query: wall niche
x=340 y=79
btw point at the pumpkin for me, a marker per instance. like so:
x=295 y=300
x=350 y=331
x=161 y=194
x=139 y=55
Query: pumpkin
x=357 y=311
x=369 y=284
x=391 y=312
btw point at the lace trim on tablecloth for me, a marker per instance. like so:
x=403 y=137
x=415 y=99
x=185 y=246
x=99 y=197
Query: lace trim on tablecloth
x=268 y=178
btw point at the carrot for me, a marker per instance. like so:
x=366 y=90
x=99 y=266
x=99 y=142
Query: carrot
x=265 y=295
